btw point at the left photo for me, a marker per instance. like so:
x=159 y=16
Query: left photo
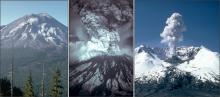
x=33 y=48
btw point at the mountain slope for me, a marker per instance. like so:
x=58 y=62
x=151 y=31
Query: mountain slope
x=193 y=59
x=111 y=76
x=205 y=65
x=149 y=65
x=193 y=68
x=2 y=26
x=28 y=43
x=34 y=31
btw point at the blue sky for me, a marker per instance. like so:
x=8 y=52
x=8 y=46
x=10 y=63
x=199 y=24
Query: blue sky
x=201 y=17
x=12 y=10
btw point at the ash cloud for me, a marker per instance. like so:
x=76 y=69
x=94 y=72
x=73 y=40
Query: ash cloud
x=93 y=20
x=173 y=32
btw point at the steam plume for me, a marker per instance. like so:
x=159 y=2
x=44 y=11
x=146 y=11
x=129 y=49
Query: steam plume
x=172 y=32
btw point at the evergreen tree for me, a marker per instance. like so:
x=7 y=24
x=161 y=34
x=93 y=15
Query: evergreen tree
x=17 y=92
x=56 y=87
x=5 y=89
x=28 y=88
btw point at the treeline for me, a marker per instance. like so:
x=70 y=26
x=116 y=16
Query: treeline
x=56 y=87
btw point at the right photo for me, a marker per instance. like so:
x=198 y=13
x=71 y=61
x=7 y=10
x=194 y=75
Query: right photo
x=176 y=50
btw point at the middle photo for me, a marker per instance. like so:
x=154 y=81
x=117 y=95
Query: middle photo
x=101 y=48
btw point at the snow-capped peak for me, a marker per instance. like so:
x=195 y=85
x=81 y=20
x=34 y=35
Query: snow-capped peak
x=205 y=65
x=44 y=15
x=148 y=64
x=34 y=31
x=201 y=62
x=32 y=20
x=184 y=52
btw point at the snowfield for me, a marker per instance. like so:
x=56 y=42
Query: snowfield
x=199 y=61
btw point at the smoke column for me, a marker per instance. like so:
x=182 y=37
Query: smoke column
x=172 y=32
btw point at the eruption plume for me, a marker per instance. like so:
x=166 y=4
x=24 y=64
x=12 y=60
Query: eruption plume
x=172 y=32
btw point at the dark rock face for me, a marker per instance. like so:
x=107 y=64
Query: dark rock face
x=174 y=60
x=182 y=53
x=102 y=76
x=176 y=83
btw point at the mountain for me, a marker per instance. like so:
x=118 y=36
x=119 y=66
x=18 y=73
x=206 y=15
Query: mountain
x=34 y=31
x=192 y=68
x=2 y=26
x=111 y=76
x=28 y=43
x=101 y=48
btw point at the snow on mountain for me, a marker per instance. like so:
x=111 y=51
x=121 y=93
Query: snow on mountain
x=149 y=65
x=199 y=61
x=204 y=66
x=38 y=39
x=187 y=53
x=34 y=31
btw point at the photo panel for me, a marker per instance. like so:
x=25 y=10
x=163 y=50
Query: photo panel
x=34 y=48
x=101 y=48
x=177 y=48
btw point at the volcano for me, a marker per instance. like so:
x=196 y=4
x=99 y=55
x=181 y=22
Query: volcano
x=34 y=31
x=192 y=72
x=31 y=41
x=102 y=76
